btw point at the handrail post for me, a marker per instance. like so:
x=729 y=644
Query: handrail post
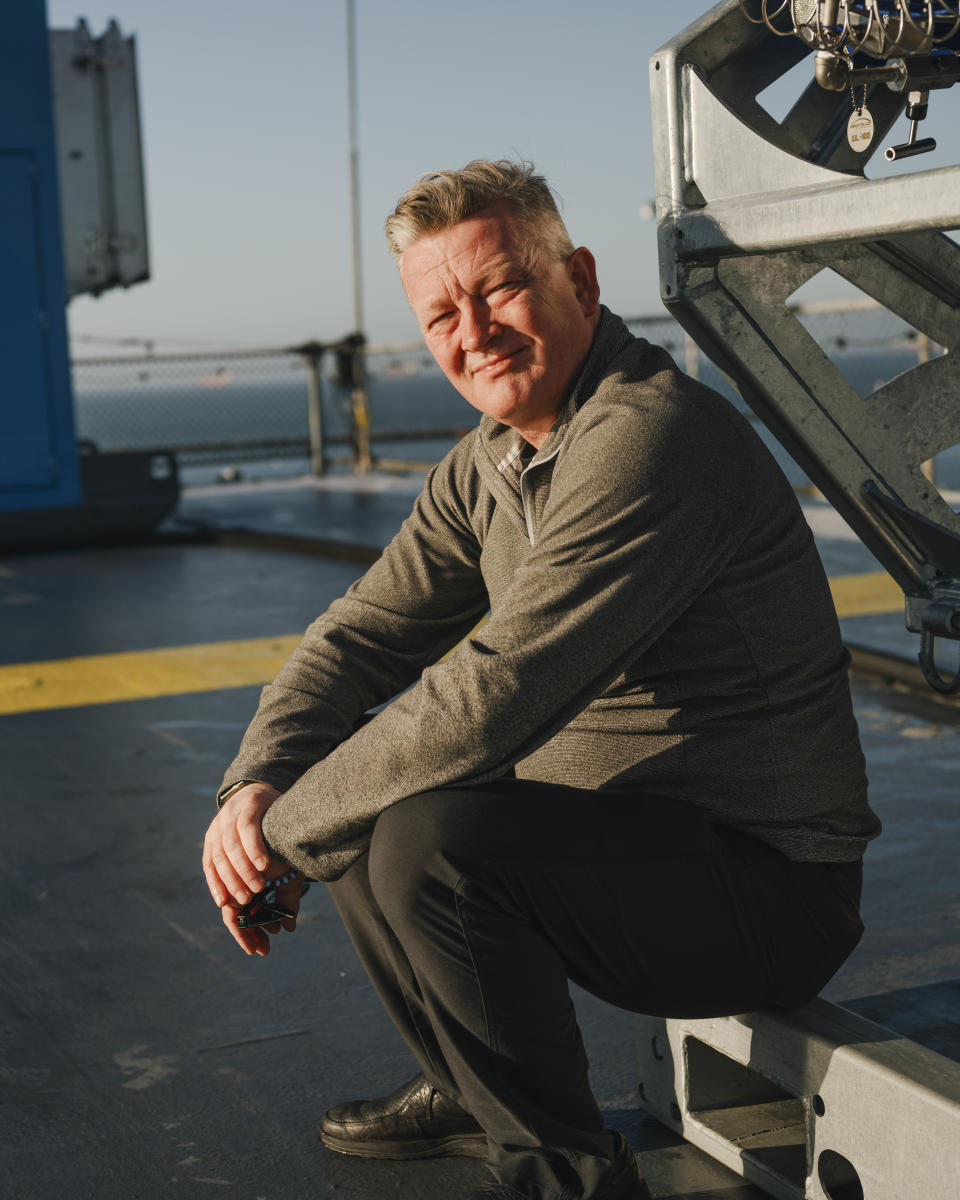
x=315 y=412
x=312 y=354
x=363 y=458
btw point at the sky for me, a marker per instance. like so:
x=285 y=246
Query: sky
x=245 y=130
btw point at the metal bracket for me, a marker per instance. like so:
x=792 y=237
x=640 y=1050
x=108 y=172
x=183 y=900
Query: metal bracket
x=948 y=687
x=939 y=618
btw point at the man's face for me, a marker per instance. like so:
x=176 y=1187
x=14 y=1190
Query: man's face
x=509 y=327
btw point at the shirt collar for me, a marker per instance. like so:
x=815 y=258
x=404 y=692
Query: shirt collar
x=610 y=338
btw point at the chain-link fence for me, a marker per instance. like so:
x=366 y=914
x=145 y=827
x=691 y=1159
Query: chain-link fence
x=288 y=411
x=221 y=412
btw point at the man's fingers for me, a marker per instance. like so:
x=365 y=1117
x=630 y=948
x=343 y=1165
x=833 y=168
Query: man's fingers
x=240 y=862
x=251 y=839
x=242 y=838
x=251 y=941
x=214 y=883
x=235 y=854
x=236 y=886
x=222 y=880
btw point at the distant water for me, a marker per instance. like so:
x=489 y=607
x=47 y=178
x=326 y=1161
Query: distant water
x=155 y=412
x=218 y=403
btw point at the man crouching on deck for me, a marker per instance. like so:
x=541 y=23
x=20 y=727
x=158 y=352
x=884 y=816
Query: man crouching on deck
x=642 y=773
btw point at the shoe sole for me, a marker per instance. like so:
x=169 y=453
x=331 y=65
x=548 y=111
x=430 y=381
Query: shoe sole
x=467 y=1145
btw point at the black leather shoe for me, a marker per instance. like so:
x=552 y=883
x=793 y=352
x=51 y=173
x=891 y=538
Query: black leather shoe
x=416 y=1121
x=624 y=1182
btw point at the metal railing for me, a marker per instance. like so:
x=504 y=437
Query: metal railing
x=293 y=409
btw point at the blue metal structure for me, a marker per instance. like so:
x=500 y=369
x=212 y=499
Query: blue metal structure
x=38 y=458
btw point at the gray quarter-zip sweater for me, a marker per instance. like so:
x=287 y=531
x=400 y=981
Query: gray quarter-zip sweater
x=659 y=622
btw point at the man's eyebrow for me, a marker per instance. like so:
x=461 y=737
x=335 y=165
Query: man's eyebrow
x=512 y=263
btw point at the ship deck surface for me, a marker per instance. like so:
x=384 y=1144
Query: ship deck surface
x=144 y=1055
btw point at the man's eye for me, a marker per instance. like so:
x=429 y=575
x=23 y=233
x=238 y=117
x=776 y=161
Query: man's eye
x=441 y=319
x=508 y=285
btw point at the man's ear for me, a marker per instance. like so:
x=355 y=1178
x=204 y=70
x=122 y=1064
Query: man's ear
x=582 y=269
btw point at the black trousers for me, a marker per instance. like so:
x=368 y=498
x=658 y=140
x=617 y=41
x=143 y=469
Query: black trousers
x=476 y=905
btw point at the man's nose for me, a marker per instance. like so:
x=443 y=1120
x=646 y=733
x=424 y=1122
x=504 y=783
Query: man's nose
x=477 y=326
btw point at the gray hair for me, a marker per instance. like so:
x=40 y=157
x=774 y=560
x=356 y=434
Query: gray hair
x=440 y=199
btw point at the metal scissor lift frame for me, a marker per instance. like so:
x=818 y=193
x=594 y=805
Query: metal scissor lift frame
x=749 y=209
x=814 y=1103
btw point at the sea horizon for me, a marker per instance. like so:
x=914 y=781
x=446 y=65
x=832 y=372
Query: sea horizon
x=214 y=405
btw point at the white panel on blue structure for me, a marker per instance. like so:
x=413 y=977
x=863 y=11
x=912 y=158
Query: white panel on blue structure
x=100 y=159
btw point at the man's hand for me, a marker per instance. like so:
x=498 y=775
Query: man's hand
x=257 y=939
x=238 y=863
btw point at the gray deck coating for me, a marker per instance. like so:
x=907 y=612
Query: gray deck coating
x=144 y=1056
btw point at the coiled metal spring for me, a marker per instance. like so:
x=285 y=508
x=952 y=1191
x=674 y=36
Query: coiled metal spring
x=881 y=28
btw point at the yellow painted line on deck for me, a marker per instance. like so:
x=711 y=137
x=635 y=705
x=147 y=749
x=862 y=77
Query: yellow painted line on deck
x=178 y=670
x=143 y=674
x=865 y=595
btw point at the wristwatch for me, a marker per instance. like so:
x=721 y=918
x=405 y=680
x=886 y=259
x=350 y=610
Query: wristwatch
x=225 y=793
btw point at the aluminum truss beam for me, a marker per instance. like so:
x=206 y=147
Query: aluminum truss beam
x=815 y=1103
x=748 y=209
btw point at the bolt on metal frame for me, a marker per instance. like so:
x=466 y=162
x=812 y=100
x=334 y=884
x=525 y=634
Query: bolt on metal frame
x=750 y=208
